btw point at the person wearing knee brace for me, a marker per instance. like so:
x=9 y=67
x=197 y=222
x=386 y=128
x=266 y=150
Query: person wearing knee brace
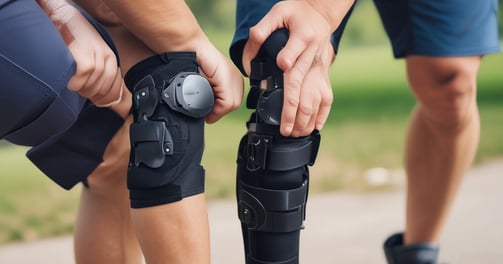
x=442 y=43
x=63 y=95
x=165 y=178
x=97 y=143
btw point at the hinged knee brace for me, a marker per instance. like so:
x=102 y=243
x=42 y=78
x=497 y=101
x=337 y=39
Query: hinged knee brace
x=170 y=101
x=272 y=174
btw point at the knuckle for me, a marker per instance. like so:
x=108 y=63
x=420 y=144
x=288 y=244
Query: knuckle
x=292 y=101
x=306 y=109
x=85 y=67
x=235 y=104
x=257 y=35
x=327 y=97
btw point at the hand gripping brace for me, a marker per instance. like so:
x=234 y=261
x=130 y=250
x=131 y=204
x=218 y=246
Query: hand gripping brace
x=272 y=170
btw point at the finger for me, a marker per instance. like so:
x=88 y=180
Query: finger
x=272 y=21
x=256 y=38
x=293 y=80
x=82 y=66
x=226 y=100
x=310 y=99
x=325 y=106
x=294 y=48
x=110 y=85
x=87 y=76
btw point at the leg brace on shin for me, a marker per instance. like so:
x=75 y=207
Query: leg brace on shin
x=170 y=101
x=272 y=173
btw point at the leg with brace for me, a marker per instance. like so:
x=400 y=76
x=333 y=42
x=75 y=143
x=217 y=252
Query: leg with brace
x=272 y=170
x=170 y=101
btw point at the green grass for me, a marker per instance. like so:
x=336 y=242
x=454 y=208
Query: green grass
x=31 y=206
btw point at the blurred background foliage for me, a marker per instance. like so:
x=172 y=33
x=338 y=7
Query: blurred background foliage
x=365 y=129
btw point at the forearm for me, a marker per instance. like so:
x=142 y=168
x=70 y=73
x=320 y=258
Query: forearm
x=163 y=25
x=332 y=10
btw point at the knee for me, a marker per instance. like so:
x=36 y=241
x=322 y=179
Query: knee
x=111 y=173
x=447 y=92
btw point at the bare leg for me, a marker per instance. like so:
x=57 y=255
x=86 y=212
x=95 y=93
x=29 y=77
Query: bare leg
x=175 y=233
x=442 y=140
x=103 y=232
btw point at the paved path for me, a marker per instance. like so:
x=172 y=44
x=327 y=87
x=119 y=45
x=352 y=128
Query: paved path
x=344 y=228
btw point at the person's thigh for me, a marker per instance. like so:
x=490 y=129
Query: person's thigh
x=450 y=28
x=35 y=66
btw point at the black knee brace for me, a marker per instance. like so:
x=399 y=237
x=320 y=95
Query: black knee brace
x=170 y=101
x=272 y=170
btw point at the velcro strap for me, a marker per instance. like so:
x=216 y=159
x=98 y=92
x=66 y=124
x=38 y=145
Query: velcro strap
x=272 y=210
x=281 y=155
x=289 y=156
x=279 y=200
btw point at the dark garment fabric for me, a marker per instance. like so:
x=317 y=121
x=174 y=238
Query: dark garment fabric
x=68 y=134
x=414 y=27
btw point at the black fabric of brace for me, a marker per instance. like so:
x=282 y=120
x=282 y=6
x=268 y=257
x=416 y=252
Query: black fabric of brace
x=166 y=144
x=273 y=210
x=151 y=139
x=276 y=211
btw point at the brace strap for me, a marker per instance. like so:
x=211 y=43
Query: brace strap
x=282 y=156
x=272 y=210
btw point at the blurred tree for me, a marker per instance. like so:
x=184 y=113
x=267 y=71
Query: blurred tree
x=213 y=13
x=202 y=8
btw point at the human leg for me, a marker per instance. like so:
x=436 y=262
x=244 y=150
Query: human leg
x=42 y=112
x=165 y=178
x=443 y=55
x=103 y=231
x=176 y=232
x=272 y=170
x=441 y=142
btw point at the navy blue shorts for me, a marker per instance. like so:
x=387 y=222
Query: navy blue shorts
x=414 y=27
x=440 y=28
x=67 y=133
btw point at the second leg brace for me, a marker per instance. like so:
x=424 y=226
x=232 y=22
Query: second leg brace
x=272 y=173
x=272 y=188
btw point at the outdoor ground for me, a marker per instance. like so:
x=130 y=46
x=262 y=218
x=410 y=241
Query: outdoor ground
x=345 y=228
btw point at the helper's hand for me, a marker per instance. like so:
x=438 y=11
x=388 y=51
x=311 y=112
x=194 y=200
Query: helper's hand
x=226 y=80
x=97 y=76
x=305 y=61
